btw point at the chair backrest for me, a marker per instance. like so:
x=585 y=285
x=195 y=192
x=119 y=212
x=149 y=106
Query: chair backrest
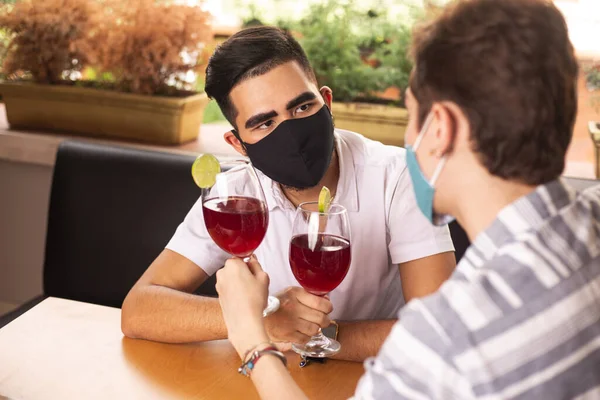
x=459 y=236
x=112 y=211
x=460 y=240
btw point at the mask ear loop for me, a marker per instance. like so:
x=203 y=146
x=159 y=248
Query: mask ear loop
x=438 y=171
x=238 y=137
x=424 y=130
x=331 y=114
x=440 y=166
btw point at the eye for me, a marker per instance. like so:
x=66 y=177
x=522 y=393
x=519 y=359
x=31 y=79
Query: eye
x=303 y=108
x=266 y=125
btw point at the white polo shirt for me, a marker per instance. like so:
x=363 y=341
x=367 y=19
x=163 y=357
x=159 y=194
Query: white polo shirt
x=387 y=229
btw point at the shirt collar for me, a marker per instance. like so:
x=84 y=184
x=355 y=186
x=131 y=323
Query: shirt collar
x=524 y=215
x=347 y=189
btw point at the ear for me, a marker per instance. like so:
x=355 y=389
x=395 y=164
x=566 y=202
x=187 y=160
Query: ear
x=327 y=94
x=446 y=117
x=234 y=142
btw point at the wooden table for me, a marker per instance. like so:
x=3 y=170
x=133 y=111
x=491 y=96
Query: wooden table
x=64 y=349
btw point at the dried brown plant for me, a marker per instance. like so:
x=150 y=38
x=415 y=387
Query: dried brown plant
x=150 y=45
x=147 y=46
x=50 y=38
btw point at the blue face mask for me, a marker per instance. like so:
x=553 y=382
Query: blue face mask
x=424 y=189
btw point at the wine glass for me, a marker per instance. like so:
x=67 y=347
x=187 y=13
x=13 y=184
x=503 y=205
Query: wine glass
x=320 y=258
x=236 y=214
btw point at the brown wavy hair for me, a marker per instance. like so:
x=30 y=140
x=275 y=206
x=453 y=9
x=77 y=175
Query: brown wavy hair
x=510 y=67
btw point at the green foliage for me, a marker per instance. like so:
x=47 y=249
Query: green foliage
x=593 y=77
x=355 y=52
x=212 y=113
x=253 y=18
x=5 y=37
x=4 y=40
x=395 y=65
x=93 y=74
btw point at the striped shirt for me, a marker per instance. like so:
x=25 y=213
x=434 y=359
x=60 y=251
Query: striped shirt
x=519 y=318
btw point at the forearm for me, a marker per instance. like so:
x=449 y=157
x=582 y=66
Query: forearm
x=362 y=339
x=166 y=315
x=273 y=381
x=270 y=377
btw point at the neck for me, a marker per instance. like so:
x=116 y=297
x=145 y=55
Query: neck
x=330 y=179
x=476 y=210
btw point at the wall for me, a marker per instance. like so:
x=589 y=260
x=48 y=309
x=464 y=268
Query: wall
x=24 y=199
x=26 y=165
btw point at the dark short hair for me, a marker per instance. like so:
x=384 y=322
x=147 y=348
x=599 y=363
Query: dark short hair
x=249 y=53
x=510 y=67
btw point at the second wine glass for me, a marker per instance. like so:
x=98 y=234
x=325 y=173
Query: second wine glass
x=320 y=256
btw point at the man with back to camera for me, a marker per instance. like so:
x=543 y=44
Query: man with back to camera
x=282 y=121
x=492 y=105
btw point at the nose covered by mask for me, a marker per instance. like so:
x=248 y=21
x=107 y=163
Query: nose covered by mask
x=298 y=152
x=424 y=189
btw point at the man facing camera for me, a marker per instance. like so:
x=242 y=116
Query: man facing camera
x=282 y=121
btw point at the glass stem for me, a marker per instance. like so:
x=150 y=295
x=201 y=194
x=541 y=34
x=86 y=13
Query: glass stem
x=319 y=340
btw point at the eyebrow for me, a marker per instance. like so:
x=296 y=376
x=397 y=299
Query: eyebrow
x=303 y=98
x=258 y=118
x=262 y=117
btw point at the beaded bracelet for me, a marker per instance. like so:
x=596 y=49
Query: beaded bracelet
x=247 y=367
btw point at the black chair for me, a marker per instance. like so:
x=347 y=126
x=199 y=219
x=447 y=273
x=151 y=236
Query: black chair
x=459 y=236
x=112 y=211
x=460 y=240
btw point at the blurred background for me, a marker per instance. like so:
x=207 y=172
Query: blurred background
x=132 y=72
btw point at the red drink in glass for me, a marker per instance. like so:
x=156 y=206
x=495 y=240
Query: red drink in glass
x=321 y=269
x=237 y=224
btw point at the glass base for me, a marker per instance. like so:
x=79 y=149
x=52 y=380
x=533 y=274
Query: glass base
x=319 y=346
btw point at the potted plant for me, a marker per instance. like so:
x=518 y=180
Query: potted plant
x=363 y=58
x=140 y=55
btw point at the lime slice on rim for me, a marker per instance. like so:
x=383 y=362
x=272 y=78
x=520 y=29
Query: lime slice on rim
x=205 y=170
x=324 y=200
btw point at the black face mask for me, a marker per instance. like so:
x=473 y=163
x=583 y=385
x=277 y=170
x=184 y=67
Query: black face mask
x=298 y=152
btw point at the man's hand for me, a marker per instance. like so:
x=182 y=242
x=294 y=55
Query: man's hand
x=299 y=317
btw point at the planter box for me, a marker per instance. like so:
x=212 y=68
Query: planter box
x=378 y=122
x=103 y=113
x=594 y=129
